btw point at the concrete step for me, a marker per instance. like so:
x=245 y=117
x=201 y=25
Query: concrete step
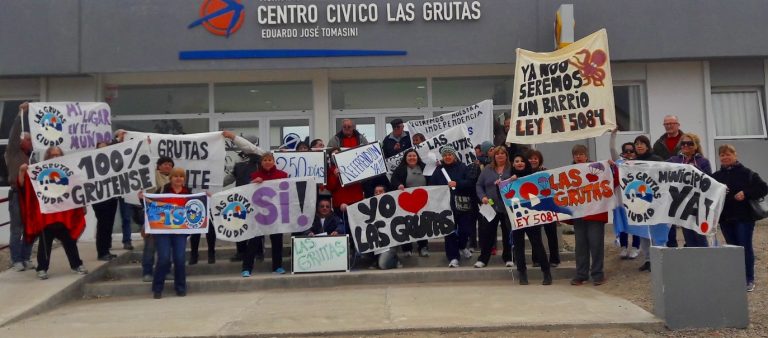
x=225 y=267
x=264 y=281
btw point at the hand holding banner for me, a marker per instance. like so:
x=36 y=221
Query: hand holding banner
x=176 y=214
x=360 y=163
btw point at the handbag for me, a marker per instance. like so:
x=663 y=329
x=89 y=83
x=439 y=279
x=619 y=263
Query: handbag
x=759 y=208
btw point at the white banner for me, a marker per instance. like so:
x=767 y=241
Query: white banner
x=563 y=95
x=478 y=118
x=661 y=192
x=201 y=155
x=360 y=163
x=72 y=126
x=400 y=217
x=429 y=150
x=88 y=177
x=270 y=207
x=302 y=164
x=319 y=254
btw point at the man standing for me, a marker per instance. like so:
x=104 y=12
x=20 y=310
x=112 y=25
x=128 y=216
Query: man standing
x=347 y=137
x=398 y=140
x=668 y=144
x=16 y=154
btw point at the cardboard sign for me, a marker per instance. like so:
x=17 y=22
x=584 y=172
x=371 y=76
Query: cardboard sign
x=661 y=192
x=400 y=217
x=478 y=118
x=72 y=126
x=176 y=214
x=88 y=177
x=360 y=163
x=270 y=207
x=302 y=164
x=429 y=150
x=319 y=254
x=564 y=95
x=559 y=194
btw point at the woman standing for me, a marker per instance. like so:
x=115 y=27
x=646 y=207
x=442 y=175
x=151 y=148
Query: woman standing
x=171 y=246
x=627 y=154
x=536 y=159
x=410 y=173
x=736 y=221
x=690 y=153
x=488 y=193
x=644 y=152
x=105 y=219
x=267 y=171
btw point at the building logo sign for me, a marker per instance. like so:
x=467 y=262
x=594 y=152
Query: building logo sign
x=220 y=17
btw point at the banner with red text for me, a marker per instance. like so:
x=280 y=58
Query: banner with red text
x=563 y=95
x=573 y=191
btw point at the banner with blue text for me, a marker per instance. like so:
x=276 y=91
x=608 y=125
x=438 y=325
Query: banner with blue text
x=176 y=214
x=360 y=163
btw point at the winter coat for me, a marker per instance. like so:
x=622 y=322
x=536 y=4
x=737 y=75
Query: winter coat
x=341 y=141
x=739 y=178
x=461 y=197
x=390 y=141
x=698 y=161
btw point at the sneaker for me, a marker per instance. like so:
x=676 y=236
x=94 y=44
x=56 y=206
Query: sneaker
x=245 y=273
x=147 y=279
x=42 y=274
x=750 y=286
x=645 y=267
x=105 y=258
x=577 y=281
x=509 y=264
x=29 y=265
x=454 y=263
x=479 y=264
x=408 y=253
x=19 y=267
x=127 y=246
x=493 y=251
x=600 y=281
x=157 y=295
x=553 y=265
x=633 y=253
x=424 y=252
x=80 y=270
x=624 y=254
x=465 y=253
x=181 y=293
x=280 y=271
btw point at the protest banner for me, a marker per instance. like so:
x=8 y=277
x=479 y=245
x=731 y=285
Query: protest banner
x=270 y=207
x=429 y=150
x=400 y=217
x=176 y=214
x=71 y=126
x=302 y=164
x=360 y=163
x=202 y=155
x=79 y=179
x=319 y=254
x=661 y=192
x=478 y=118
x=564 y=95
x=568 y=192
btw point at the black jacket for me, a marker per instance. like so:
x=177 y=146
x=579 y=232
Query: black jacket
x=332 y=223
x=400 y=174
x=389 y=144
x=461 y=197
x=739 y=178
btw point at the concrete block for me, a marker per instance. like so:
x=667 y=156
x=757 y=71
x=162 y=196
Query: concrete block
x=699 y=287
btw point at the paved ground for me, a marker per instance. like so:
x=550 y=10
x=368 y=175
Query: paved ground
x=358 y=310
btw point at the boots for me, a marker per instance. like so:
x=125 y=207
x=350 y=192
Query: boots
x=547 y=278
x=523 y=277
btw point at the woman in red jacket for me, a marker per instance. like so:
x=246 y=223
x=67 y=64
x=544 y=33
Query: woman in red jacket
x=267 y=171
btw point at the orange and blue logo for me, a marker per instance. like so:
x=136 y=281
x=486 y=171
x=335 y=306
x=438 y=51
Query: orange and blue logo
x=220 y=17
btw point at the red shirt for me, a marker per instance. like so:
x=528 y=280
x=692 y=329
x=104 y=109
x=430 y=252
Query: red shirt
x=271 y=174
x=349 y=141
x=349 y=194
x=671 y=143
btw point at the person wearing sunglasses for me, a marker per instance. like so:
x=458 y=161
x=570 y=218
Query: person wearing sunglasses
x=690 y=153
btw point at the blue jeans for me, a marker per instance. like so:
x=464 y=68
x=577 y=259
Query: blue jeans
x=624 y=239
x=458 y=239
x=170 y=246
x=694 y=240
x=740 y=233
x=126 y=214
x=21 y=251
x=148 y=256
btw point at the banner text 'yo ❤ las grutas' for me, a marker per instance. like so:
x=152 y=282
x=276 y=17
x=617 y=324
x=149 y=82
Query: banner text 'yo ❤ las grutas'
x=360 y=163
x=478 y=118
x=661 y=192
x=79 y=179
x=559 y=194
x=202 y=155
x=302 y=164
x=270 y=207
x=176 y=214
x=400 y=217
x=72 y=126
x=429 y=150
x=564 y=95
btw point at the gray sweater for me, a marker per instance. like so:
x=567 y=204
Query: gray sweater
x=486 y=186
x=14 y=157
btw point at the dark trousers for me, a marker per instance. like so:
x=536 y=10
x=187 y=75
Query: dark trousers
x=694 y=240
x=105 y=221
x=210 y=238
x=170 y=247
x=458 y=239
x=148 y=256
x=57 y=231
x=624 y=240
x=276 y=240
x=240 y=246
x=409 y=246
x=590 y=241
x=672 y=236
x=740 y=233
x=21 y=251
x=487 y=237
x=550 y=230
x=537 y=247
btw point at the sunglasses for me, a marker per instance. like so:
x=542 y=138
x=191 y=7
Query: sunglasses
x=628 y=151
x=687 y=144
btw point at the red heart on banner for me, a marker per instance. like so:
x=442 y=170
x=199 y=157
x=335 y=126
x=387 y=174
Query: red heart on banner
x=413 y=201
